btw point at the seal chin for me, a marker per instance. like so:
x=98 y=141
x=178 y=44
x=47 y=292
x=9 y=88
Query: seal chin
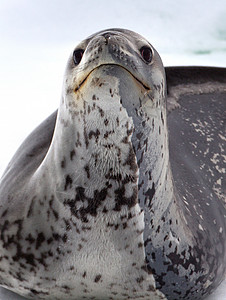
x=147 y=89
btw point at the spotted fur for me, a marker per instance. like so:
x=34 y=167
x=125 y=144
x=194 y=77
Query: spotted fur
x=97 y=216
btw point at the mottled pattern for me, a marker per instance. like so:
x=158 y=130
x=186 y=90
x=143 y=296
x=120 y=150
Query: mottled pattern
x=73 y=227
x=93 y=212
x=194 y=258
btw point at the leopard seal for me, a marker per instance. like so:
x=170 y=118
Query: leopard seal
x=94 y=206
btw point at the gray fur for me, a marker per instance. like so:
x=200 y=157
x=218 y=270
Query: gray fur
x=95 y=205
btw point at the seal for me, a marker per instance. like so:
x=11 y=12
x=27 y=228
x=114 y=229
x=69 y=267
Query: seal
x=96 y=205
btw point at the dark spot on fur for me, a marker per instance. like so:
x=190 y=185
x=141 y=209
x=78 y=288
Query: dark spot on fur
x=131 y=160
x=72 y=154
x=86 y=138
x=116 y=226
x=93 y=203
x=151 y=288
x=162 y=118
x=68 y=182
x=30 y=211
x=101 y=112
x=84 y=274
x=140 y=279
x=121 y=200
x=124 y=225
x=30 y=239
x=4 y=213
x=50 y=240
x=64 y=238
x=158 y=229
x=87 y=171
x=56 y=236
x=40 y=239
x=63 y=163
x=150 y=193
x=56 y=215
x=33 y=291
x=97 y=278
x=67 y=224
x=95 y=134
x=105 y=210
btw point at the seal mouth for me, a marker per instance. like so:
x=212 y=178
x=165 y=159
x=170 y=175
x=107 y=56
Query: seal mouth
x=139 y=81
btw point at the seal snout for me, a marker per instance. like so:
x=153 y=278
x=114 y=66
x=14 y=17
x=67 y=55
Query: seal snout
x=107 y=37
x=110 y=48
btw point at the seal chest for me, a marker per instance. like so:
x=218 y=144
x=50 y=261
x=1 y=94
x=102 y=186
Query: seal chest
x=99 y=215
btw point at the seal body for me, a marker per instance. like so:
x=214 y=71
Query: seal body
x=92 y=212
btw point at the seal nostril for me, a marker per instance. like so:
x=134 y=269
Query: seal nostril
x=107 y=37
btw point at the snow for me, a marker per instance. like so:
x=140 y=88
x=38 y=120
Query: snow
x=36 y=38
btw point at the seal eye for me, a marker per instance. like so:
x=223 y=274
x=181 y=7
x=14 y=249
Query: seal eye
x=77 y=56
x=146 y=53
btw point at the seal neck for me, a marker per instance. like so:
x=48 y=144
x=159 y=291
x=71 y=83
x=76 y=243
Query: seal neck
x=150 y=141
x=91 y=147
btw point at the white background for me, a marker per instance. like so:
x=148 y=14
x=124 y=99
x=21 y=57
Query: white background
x=36 y=37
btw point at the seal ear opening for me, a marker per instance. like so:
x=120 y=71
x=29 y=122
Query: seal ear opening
x=77 y=56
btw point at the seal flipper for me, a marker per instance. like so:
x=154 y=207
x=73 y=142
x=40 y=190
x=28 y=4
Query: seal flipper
x=196 y=147
x=192 y=81
x=31 y=153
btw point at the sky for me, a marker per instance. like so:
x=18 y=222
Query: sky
x=37 y=36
